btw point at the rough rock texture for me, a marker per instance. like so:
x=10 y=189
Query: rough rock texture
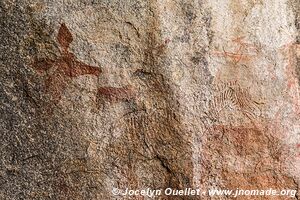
x=136 y=94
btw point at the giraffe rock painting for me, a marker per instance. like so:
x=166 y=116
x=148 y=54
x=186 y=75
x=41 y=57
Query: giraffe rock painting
x=61 y=71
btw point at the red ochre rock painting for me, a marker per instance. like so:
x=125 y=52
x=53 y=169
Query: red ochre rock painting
x=298 y=148
x=248 y=142
x=59 y=72
x=243 y=52
x=291 y=52
x=115 y=95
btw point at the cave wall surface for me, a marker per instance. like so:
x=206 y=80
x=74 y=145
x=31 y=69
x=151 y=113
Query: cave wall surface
x=97 y=95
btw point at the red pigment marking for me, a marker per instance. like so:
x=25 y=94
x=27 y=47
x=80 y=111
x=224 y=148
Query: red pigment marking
x=160 y=48
x=239 y=53
x=298 y=146
x=290 y=51
x=67 y=66
x=116 y=94
x=167 y=41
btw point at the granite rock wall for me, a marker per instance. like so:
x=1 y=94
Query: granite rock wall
x=97 y=95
